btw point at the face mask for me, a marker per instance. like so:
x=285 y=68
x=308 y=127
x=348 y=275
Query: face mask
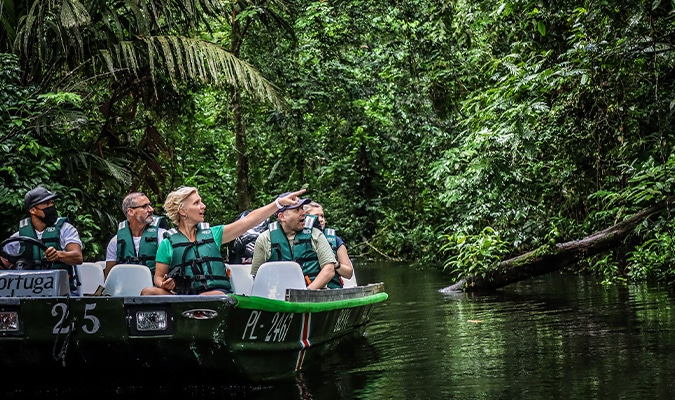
x=50 y=215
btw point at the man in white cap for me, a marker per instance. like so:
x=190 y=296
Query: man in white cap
x=296 y=238
x=64 y=247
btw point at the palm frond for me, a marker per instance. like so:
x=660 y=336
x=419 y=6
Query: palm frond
x=58 y=37
x=74 y=14
x=117 y=171
x=185 y=59
x=86 y=161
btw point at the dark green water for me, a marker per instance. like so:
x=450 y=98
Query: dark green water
x=553 y=337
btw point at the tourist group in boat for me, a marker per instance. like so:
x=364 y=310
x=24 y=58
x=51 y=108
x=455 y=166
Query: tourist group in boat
x=187 y=258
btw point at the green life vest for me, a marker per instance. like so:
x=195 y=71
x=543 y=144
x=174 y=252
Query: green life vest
x=332 y=239
x=147 y=248
x=197 y=266
x=330 y=235
x=51 y=237
x=302 y=251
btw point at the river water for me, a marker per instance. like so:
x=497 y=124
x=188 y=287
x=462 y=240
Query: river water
x=559 y=336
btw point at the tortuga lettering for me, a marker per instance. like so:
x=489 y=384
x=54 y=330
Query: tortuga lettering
x=33 y=284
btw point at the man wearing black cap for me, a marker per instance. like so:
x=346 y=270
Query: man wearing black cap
x=64 y=247
x=296 y=238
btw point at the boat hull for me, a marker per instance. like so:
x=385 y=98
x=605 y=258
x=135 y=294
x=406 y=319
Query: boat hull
x=231 y=336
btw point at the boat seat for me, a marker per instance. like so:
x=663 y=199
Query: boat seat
x=90 y=276
x=274 y=277
x=241 y=278
x=127 y=280
x=351 y=282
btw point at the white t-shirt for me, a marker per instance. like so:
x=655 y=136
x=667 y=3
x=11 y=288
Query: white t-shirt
x=68 y=235
x=111 y=251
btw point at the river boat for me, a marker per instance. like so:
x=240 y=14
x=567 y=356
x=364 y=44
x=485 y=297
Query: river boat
x=271 y=328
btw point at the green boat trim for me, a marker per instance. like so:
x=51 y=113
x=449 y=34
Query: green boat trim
x=264 y=304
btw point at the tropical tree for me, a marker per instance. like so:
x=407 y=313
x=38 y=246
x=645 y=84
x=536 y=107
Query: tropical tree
x=267 y=17
x=119 y=73
x=569 y=115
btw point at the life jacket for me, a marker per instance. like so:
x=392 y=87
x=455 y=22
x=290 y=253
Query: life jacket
x=302 y=251
x=197 y=266
x=51 y=237
x=147 y=248
x=330 y=235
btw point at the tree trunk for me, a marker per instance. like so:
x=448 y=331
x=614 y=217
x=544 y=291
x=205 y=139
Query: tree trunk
x=243 y=195
x=547 y=259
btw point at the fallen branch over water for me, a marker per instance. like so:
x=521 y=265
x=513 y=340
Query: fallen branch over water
x=547 y=259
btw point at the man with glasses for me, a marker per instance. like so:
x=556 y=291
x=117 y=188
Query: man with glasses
x=138 y=236
x=64 y=247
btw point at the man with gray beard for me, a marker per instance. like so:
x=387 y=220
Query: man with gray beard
x=138 y=236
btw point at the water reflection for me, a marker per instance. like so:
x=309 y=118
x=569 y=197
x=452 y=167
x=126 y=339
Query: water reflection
x=553 y=337
x=558 y=336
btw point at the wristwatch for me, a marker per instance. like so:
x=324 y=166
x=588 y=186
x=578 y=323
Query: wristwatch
x=337 y=265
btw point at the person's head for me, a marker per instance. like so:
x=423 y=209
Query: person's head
x=136 y=206
x=184 y=204
x=315 y=208
x=292 y=217
x=39 y=204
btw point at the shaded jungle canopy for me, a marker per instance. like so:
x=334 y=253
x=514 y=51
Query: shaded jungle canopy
x=457 y=134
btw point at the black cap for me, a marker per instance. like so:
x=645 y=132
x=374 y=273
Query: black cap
x=37 y=196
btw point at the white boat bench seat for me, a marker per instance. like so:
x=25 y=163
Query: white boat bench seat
x=274 y=277
x=351 y=282
x=90 y=277
x=241 y=278
x=127 y=280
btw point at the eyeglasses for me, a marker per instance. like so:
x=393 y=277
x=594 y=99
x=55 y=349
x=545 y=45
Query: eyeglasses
x=144 y=206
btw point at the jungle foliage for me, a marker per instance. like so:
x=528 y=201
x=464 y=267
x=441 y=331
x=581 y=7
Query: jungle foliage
x=455 y=133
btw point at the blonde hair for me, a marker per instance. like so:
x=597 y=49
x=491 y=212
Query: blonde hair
x=174 y=202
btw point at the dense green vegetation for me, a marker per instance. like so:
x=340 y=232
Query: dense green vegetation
x=455 y=133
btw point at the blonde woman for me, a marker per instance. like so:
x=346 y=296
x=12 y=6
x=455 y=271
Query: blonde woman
x=188 y=260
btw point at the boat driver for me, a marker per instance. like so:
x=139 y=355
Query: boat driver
x=64 y=247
